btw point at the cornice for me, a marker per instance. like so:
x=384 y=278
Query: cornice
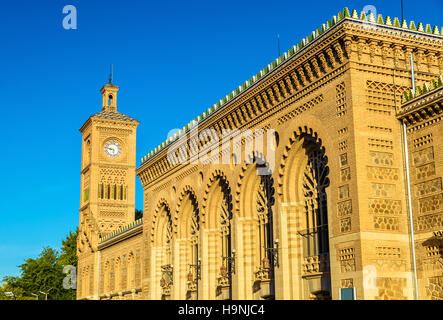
x=96 y=120
x=123 y=233
x=426 y=108
x=299 y=54
x=160 y=165
x=121 y=237
x=109 y=165
x=123 y=123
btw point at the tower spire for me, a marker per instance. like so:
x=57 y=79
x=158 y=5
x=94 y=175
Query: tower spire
x=109 y=92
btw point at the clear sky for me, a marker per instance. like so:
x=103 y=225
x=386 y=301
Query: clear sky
x=173 y=60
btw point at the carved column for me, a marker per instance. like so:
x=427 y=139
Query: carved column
x=349 y=48
x=283 y=88
x=304 y=82
x=324 y=62
x=397 y=55
x=316 y=67
x=339 y=51
x=309 y=71
x=271 y=96
x=331 y=57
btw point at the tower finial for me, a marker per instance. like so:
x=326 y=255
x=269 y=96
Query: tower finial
x=111 y=73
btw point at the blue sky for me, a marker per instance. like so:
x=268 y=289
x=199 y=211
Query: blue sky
x=173 y=60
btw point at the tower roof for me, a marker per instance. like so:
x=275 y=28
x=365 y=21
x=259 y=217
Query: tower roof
x=113 y=115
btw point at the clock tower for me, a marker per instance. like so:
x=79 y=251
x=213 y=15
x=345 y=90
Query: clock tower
x=107 y=188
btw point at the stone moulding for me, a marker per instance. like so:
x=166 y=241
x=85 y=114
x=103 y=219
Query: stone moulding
x=295 y=52
x=421 y=106
x=410 y=96
x=120 y=231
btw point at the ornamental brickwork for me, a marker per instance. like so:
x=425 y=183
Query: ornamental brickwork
x=332 y=210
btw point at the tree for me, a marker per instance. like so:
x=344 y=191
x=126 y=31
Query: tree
x=68 y=257
x=45 y=273
x=68 y=254
x=138 y=214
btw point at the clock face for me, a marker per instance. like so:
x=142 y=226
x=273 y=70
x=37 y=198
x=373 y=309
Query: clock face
x=112 y=149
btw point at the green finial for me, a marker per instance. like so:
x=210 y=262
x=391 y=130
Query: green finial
x=354 y=14
x=323 y=28
x=433 y=85
x=420 y=27
x=380 y=19
x=388 y=21
x=339 y=16
x=412 y=25
x=435 y=31
x=396 y=22
x=404 y=97
x=362 y=16
x=328 y=24
x=404 y=24
x=428 y=28
x=418 y=91
x=371 y=17
x=346 y=12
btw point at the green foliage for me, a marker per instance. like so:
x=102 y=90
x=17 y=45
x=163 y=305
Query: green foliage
x=138 y=214
x=44 y=273
x=68 y=255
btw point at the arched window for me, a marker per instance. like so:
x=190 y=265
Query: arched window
x=315 y=182
x=194 y=266
x=264 y=222
x=224 y=288
x=166 y=281
x=267 y=253
x=225 y=230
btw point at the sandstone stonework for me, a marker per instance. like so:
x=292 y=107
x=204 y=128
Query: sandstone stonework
x=333 y=213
